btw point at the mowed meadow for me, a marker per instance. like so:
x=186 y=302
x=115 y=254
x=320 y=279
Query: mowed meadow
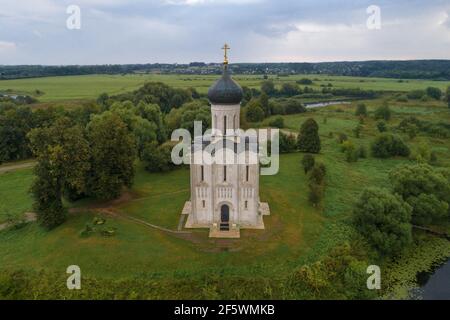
x=296 y=232
x=66 y=88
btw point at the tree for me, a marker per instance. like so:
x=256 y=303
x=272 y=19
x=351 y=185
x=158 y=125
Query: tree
x=113 y=150
x=425 y=189
x=289 y=89
x=308 y=139
x=305 y=81
x=351 y=153
x=158 y=158
x=383 y=112
x=268 y=87
x=152 y=113
x=15 y=123
x=254 y=112
x=144 y=131
x=185 y=116
x=316 y=183
x=288 y=143
x=388 y=145
x=434 y=93
x=62 y=154
x=308 y=162
x=264 y=103
x=357 y=130
x=448 y=96
x=361 y=110
x=383 y=219
x=317 y=173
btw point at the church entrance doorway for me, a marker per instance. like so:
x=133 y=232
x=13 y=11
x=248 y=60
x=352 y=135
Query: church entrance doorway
x=224 y=217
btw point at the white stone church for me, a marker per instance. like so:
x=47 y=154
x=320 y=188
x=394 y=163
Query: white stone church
x=225 y=197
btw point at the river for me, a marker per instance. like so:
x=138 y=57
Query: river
x=324 y=104
x=435 y=285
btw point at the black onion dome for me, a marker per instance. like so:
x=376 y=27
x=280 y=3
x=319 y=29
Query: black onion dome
x=225 y=90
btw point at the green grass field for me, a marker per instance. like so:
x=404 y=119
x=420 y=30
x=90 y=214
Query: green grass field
x=58 y=89
x=15 y=199
x=295 y=232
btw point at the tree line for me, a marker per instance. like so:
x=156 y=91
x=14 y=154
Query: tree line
x=413 y=69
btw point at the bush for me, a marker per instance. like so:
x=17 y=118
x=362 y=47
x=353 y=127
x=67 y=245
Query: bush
x=254 y=111
x=381 y=126
x=434 y=93
x=416 y=94
x=278 y=122
x=305 y=81
x=308 y=139
x=383 y=112
x=288 y=143
x=362 y=152
x=402 y=98
x=426 y=189
x=357 y=130
x=157 y=158
x=389 y=145
x=384 y=220
x=317 y=174
x=342 y=137
x=308 y=162
x=361 y=110
x=316 y=183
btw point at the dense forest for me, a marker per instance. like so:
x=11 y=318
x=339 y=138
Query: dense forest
x=415 y=69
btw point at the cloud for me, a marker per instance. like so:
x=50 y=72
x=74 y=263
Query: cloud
x=7 y=46
x=120 y=31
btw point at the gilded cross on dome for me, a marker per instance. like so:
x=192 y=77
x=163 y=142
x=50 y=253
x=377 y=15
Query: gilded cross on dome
x=225 y=48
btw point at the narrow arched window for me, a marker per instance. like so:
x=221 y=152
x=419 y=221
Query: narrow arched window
x=202 y=170
x=224 y=173
x=246 y=204
x=225 y=125
x=246 y=173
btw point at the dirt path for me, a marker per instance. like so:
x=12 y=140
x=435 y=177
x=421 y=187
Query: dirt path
x=28 y=217
x=15 y=166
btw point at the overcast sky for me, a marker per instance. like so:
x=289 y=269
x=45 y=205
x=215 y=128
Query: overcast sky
x=149 y=31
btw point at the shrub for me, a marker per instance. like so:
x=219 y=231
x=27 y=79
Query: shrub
x=416 y=94
x=157 y=158
x=254 y=112
x=278 y=122
x=388 y=145
x=361 y=110
x=342 y=137
x=362 y=152
x=434 y=93
x=384 y=220
x=381 y=126
x=402 y=98
x=426 y=189
x=305 y=81
x=317 y=173
x=315 y=193
x=357 y=130
x=308 y=162
x=288 y=143
x=383 y=112
x=308 y=139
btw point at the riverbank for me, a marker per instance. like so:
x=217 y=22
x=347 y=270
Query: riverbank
x=402 y=277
